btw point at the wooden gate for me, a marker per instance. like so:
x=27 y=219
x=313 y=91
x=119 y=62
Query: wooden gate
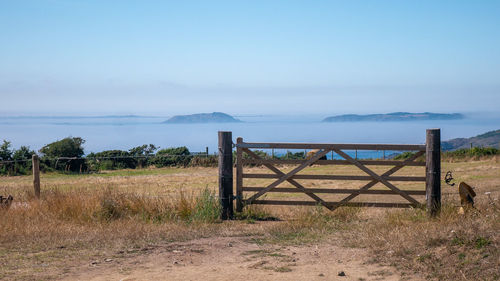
x=431 y=190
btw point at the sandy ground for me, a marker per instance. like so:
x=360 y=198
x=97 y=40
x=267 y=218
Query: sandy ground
x=237 y=258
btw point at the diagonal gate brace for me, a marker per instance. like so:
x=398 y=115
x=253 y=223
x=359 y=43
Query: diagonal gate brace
x=377 y=178
x=287 y=177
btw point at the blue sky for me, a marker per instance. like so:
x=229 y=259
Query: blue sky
x=248 y=57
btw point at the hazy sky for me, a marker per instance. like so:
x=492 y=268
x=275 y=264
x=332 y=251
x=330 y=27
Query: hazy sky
x=248 y=57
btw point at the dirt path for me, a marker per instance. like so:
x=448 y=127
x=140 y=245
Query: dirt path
x=237 y=258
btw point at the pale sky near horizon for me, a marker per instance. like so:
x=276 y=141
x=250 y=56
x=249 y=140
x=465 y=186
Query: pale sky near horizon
x=248 y=57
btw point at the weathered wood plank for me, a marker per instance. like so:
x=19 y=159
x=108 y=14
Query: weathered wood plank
x=239 y=176
x=333 y=177
x=348 y=204
x=226 y=174
x=328 y=162
x=36 y=174
x=433 y=171
x=333 y=190
x=331 y=146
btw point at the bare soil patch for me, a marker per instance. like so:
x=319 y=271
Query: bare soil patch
x=237 y=258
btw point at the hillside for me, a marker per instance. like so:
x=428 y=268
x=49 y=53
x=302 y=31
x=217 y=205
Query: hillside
x=489 y=139
x=215 y=117
x=395 y=116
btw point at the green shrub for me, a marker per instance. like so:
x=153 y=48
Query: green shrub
x=144 y=154
x=475 y=152
x=64 y=155
x=405 y=155
x=174 y=156
x=18 y=162
x=111 y=160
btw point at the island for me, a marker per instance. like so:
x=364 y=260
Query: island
x=489 y=139
x=214 y=117
x=395 y=116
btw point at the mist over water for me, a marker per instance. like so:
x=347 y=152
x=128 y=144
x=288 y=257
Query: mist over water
x=105 y=133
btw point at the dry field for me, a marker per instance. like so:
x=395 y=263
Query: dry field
x=162 y=224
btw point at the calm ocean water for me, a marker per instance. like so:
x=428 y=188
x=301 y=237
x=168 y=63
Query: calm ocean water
x=105 y=133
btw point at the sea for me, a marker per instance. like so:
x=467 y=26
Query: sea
x=124 y=132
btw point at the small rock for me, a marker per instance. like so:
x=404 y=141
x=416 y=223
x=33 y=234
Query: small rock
x=321 y=274
x=175 y=262
x=229 y=245
x=94 y=262
x=177 y=251
x=108 y=260
x=341 y=273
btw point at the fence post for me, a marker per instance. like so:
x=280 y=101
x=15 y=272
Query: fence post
x=36 y=174
x=433 y=171
x=239 y=176
x=226 y=174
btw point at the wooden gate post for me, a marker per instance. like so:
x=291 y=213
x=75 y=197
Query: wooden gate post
x=36 y=174
x=226 y=174
x=433 y=171
x=239 y=176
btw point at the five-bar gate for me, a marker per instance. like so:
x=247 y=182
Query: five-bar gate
x=432 y=175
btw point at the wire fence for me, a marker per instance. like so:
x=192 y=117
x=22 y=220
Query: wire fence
x=44 y=158
x=271 y=154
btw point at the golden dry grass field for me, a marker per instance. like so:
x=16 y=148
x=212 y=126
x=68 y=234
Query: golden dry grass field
x=162 y=224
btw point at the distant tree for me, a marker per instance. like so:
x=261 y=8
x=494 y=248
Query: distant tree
x=145 y=151
x=5 y=151
x=17 y=164
x=68 y=148
x=23 y=153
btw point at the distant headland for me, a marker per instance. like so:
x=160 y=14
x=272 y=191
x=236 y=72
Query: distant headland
x=395 y=116
x=488 y=139
x=214 y=117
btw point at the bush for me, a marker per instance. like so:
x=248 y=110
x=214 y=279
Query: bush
x=111 y=160
x=145 y=152
x=19 y=161
x=66 y=148
x=174 y=156
x=475 y=152
x=405 y=155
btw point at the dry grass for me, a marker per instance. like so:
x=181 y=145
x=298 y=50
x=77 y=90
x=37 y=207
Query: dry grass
x=451 y=247
x=81 y=217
